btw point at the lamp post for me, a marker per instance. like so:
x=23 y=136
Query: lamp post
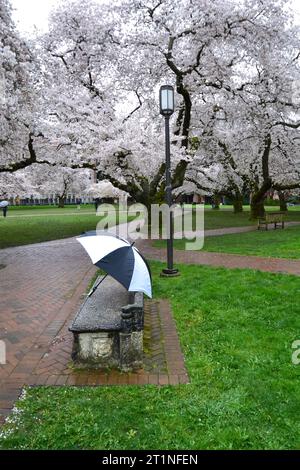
x=166 y=104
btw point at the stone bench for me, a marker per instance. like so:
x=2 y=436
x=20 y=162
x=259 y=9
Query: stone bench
x=108 y=328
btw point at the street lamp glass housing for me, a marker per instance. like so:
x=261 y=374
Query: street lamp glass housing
x=166 y=100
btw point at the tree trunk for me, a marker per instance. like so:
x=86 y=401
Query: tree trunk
x=282 y=201
x=238 y=204
x=61 y=201
x=215 y=202
x=257 y=199
x=257 y=208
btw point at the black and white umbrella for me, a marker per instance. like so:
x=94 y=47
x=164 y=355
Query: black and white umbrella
x=117 y=257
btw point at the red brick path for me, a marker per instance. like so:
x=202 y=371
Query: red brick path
x=41 y=287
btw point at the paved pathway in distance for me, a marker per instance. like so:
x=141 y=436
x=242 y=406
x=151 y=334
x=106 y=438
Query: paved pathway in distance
x=226 y=260
x=231 y=230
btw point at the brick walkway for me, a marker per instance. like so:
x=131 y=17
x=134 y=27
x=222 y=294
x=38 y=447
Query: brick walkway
x=41 y=287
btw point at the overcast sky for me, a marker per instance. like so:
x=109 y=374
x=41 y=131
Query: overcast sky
x=31 y=14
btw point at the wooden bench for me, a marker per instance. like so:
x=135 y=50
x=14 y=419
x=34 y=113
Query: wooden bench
x=271 y=218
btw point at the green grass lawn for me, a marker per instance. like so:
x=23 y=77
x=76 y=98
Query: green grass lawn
x=33 y=230
x=236 y=329
x=224 y=217
x=25 y=225
x=272 y=243
x=25 y=228
x=51 y=208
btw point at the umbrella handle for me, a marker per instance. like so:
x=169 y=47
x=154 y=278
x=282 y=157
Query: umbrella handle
x=96 y=286
x=90 y=294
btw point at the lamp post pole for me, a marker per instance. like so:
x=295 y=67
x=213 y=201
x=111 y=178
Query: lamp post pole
x=169 y=195
x=166 y=112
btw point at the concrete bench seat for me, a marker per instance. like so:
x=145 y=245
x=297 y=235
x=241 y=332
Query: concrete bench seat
x=102 y=311
x=108 y=328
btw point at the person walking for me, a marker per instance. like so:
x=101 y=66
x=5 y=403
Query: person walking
x=4 y=205
x=97 y=203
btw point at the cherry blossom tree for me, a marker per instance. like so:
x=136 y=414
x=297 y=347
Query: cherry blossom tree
x=63 y=181
x=16 y=95
x=96 y=81
x=249 y=127
x=242 y=54
x=81 y=126
x=42 y=180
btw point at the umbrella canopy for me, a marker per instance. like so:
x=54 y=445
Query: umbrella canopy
x=117 y=257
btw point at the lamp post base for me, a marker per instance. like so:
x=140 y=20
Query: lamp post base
x=169 y=273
